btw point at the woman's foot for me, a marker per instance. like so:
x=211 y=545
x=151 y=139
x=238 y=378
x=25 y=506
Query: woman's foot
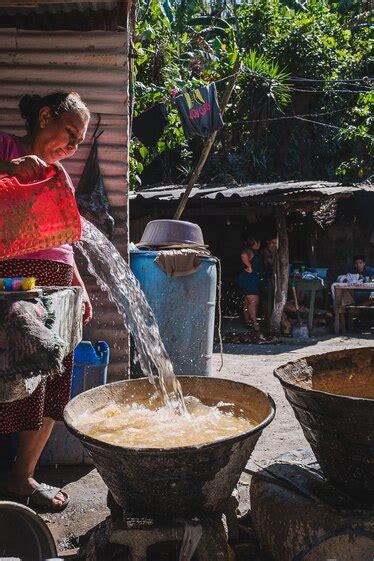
x=254 y=327
x=255 y=333
x=25 y=486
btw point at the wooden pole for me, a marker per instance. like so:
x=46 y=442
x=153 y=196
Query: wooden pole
x=311 y=240
x=207 y=145
x=281 y=272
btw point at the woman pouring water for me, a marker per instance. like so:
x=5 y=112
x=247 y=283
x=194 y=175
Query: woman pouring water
x=56 y=125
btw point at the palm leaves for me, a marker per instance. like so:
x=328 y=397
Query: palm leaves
x=263 y=73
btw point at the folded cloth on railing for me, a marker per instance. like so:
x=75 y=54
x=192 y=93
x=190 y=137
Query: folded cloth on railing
x=180 y=262
x=35 y=336
x=28 y=344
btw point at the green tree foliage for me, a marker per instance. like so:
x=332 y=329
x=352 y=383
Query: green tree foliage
x=303 y=58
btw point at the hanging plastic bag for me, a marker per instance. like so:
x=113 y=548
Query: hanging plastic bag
x=90 y=194
x=148 y=127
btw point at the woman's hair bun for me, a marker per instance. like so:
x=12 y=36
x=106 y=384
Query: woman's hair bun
x=58 y=102
x=29 y=105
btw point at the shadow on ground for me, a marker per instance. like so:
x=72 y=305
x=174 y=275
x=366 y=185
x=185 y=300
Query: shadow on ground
x=87 y=506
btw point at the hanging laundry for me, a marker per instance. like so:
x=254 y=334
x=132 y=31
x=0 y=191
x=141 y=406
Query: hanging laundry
x=149 y=125
x=199 y=111
x=90 y=194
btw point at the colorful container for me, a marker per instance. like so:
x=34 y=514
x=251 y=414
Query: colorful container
x=39 y=215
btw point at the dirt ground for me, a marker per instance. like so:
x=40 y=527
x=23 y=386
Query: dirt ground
x=253 y=364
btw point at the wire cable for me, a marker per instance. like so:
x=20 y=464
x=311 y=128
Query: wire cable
x=286 y=117
x=318 y=123
x=331 y=91
x=330 y=80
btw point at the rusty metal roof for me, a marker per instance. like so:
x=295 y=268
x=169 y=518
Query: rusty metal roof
x=85 y=15
x=279 y=190
x=54 y=6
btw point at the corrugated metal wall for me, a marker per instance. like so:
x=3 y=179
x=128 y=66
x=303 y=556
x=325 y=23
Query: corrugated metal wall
x=95 y=64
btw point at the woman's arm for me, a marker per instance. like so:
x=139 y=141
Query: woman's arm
x=78 y=281
x=246 y=257
x=27 y=168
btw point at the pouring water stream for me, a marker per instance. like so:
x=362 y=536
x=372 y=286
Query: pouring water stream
x=114 y=275
x=173 y=420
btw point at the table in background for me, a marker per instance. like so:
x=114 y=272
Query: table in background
x=310 y=285
x=341 y=300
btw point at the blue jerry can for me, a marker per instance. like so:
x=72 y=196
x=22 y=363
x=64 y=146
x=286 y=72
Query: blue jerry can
x=90 y=366
x=89 y=370
x=184 y=308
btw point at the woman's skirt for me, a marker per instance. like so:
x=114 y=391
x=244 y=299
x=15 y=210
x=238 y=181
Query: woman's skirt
x=52 y=394
x=249 y=283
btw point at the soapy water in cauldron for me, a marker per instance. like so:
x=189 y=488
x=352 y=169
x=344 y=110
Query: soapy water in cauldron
x=154 y=425
x=155 y=422
x=357 y=383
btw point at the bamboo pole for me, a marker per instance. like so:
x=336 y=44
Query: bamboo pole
x=207 y=145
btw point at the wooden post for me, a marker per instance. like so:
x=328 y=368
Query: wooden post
x=281 y=272
x=207 y=146
x=311 y=240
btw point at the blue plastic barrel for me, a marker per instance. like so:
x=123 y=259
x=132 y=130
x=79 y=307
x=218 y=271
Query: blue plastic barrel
x=90 y=366
x=184 y=308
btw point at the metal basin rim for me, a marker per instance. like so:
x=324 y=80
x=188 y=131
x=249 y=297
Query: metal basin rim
x=279 y=372
x=136 y=450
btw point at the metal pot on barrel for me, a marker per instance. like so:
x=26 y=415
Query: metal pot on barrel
x=173 y=482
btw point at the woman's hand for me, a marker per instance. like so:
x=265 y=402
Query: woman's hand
x=28 y=168
x=246 y=257
x=87 y=306
x=87 y=309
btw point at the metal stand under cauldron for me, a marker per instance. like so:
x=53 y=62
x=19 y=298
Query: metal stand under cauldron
x=144 y=539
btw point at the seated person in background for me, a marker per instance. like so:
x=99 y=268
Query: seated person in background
x=362 y=297
x=361 y=268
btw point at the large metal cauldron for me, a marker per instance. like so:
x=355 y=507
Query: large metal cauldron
x=340 y=429
x=184 y=481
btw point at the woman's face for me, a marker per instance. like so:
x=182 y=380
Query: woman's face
x=58 y=138
x=254 y=244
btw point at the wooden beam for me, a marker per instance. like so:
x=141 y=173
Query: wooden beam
x=311 y=240
x=281 y=272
